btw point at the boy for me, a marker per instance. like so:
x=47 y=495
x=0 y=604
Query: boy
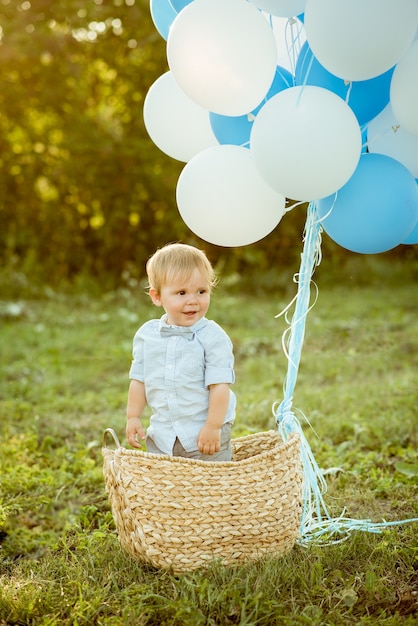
x=182 y=363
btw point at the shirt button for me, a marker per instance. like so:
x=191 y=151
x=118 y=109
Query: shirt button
x=171 y=395
x=169 y=366
x=173 y=338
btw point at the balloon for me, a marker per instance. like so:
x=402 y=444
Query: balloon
x=360 y=39
x=178 y=5
x=283 y=8
x=367 y=98
x=233 y=130
x=375 y=210
x=404 y=90
x=222 y=54
x=306 y=142
x=162 y=15
x=236 y=130
x=386 y=137
x=176 y=124
x=282 y=80
x=222 y=198
x=412 y=237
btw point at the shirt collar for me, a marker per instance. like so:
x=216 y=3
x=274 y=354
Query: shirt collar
x=184 y=331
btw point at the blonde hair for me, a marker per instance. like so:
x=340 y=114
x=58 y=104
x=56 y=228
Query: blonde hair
x=177 y=260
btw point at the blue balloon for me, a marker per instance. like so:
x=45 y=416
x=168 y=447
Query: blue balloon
x=236 y=130
x=163 y=15
x=178 y=5
x=413 y=236
x=375 y=210
x=367 y=98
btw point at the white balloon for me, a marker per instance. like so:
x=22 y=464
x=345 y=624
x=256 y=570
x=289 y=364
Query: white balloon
x=360 y=39
x=306 y=142
x=176 y=124
x=222 y=198
x=386 y=136
x=404 y=90
x=282 y=8
x=222 y=54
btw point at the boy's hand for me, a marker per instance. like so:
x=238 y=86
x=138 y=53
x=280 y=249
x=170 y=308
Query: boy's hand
x=133 y=431
x=209 y=440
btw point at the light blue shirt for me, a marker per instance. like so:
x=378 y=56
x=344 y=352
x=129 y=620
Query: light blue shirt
x=177 y=364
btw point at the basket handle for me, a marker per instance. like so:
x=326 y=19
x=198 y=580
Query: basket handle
x=111 y=432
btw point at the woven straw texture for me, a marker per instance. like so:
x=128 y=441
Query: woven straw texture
x=179 y=513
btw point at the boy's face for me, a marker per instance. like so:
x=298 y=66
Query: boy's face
x=185 y=301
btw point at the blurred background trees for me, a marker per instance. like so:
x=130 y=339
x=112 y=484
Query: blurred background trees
x=83 y=190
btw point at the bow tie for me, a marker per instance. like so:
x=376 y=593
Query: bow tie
x=184 y=331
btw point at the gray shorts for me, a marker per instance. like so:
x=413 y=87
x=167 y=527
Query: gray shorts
x=224 y=454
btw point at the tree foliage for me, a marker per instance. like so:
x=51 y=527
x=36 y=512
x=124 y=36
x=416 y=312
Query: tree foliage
x=82 y=187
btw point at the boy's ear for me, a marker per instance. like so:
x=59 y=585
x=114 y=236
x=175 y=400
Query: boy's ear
x=155 y=296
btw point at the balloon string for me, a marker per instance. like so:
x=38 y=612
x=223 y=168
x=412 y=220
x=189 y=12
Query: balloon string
x=292 y=206
x=363 y=134
x=324 y=217
x=293 y=337
x=292 y=52
x=291 y=48
x=316 y=522
x=286 y=337
x=305 y=76
x=349 y=88
x=174 y=9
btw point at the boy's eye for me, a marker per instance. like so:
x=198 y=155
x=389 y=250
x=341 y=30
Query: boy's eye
x=182 y=292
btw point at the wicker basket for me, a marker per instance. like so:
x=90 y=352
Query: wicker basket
x=173 y=512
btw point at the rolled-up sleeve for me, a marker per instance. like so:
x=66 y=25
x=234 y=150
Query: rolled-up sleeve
x=219 y=357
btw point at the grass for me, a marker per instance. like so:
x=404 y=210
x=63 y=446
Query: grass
x=63 y=379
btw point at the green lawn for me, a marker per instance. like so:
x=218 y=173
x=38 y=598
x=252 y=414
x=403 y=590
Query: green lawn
x=63 y=379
